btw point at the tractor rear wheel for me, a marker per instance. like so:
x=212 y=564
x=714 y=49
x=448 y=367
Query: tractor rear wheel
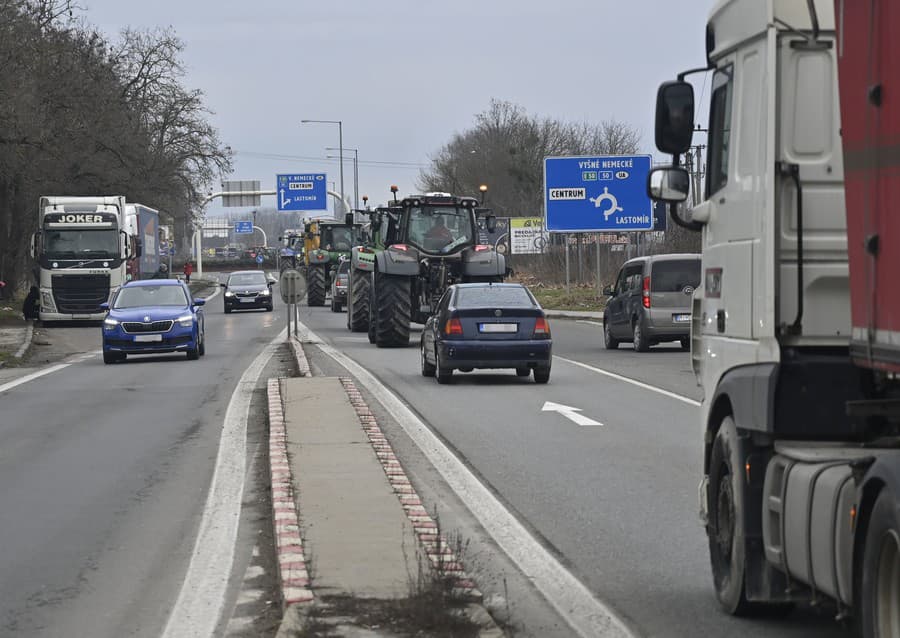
x=392 y=311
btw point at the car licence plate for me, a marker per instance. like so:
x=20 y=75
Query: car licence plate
x=498 y=327
x=681 y=318
x=251 y=300
x=148 y=337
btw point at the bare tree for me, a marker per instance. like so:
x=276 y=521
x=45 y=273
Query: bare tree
x=506 y=149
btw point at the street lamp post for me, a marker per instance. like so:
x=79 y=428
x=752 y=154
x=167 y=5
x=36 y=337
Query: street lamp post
x=355 y=171
x=340 y=145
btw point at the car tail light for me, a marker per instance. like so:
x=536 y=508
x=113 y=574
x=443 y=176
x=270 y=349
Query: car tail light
x=645 y=292
x=541 y=328
x=453 y=327
x=402 y=247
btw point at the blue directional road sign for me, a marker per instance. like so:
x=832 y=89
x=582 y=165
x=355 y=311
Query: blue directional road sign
x=597 y=193
x=243 y=228
x=259 y=258
x=307 y=191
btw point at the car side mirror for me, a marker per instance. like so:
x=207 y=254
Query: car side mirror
x=607 y=291
x=199 y=302
x=668 y=184
x=224 y=285
x=674 y=117
x=105 y=306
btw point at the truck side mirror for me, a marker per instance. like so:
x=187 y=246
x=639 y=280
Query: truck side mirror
x=674 y=117
x=668 y=184
x=33 y=246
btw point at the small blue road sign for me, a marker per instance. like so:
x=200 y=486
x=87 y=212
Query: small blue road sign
x=306 y=191
x=243 y=228
x=597 y=193
x=259 y=258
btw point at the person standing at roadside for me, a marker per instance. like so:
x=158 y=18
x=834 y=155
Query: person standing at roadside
x=188 y=269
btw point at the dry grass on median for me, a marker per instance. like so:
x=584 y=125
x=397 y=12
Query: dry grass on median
x=554 y=297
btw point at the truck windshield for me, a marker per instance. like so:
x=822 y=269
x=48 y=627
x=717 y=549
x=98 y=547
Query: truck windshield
x=81 y=243
x=439 y=228
x=337 y=238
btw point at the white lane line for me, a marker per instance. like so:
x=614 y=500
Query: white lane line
x=31 y=377
x=619 y=377
x=587 y=616
x=29 y=335
x=594 y=323
x=202 y=598
x=48 y=370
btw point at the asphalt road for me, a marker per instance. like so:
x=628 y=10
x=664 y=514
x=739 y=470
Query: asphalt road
x=617 y=502
x=104 y=472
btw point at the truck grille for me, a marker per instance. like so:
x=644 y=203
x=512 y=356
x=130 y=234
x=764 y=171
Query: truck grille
x=132 y=327
x=80 y=294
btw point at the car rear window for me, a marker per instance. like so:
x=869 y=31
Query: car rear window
x=674 y=275
x=505 y=296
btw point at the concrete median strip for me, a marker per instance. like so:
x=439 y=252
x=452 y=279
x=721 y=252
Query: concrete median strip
x=360 y=513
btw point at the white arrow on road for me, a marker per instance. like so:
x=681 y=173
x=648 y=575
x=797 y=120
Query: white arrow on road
x=569 y=412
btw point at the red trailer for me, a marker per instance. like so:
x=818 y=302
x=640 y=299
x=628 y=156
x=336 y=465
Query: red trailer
x=869 y=78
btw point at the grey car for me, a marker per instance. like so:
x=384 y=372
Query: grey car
x=651 y=301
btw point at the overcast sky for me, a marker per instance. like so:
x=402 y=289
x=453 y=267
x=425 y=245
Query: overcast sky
x=405 y=75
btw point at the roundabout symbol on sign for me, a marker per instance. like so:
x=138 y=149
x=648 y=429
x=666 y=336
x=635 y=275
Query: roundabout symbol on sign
x=613 y=203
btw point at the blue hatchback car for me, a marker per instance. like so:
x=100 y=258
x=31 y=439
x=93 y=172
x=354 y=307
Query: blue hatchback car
x=487 y=325
x=151 y=317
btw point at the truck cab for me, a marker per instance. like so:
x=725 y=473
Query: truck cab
x=801 y=460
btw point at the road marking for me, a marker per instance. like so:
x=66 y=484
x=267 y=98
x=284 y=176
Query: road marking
x=202 y=597
x=45 y=371
x=594 y=323
x=585 y=614
x=645 y=386
x=569 y=412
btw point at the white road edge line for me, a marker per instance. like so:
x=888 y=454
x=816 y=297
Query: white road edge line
x=594 y=323
x=586 y=615
x=619 y=377
x=201 y=600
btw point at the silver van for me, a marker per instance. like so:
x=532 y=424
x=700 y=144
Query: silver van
x=651 y=301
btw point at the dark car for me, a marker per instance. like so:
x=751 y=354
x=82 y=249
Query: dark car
x=339 y=283
x=487 y=325
x=246 y=289
x=153 y=316
x=651 y=301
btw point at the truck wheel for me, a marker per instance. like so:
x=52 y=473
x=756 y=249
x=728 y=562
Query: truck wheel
x=392 y=311
x=315 y=290
x=725 y=528
x=358 y=301
x=641 y=343
x=879 y=614
x=609 y=341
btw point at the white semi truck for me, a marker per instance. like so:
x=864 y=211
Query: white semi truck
x=800 y=415
x=81 y=250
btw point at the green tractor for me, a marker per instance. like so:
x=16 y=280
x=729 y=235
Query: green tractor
x=419 y=246
x=325 y=244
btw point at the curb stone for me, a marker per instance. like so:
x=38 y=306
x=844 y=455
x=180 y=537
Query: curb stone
x=29 y=334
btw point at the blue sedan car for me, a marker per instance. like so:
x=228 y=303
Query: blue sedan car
x=151 y=317
x=487 y=325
